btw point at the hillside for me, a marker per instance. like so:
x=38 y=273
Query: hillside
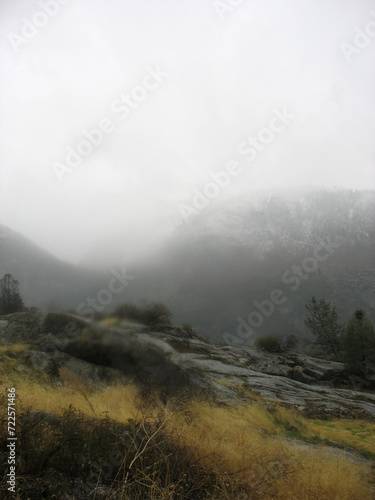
x=213 y=267
x=117 y=410
x=43 y=278
x=218 y=263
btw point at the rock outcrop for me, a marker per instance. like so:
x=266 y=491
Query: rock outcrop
x=173 y=359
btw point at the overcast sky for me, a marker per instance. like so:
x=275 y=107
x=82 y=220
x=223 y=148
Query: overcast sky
x=178 y=87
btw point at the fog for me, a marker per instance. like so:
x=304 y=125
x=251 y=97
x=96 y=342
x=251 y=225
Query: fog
x=169 y=94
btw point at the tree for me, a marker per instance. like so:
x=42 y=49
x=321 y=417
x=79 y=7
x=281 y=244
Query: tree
x=10 y=298
x=323 y=322
x=359 y=343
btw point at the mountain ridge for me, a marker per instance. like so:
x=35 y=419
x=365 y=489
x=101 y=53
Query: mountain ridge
x=214 y=267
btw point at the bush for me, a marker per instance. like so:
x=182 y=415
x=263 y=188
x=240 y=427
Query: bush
x=269 y=343
x=289 y=343
x=317 y=352
x=187 y=328
x=152 y=315
x=158 y=314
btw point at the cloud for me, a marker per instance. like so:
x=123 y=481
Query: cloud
x=224 y=79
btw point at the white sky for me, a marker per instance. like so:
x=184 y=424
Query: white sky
x=224 y=79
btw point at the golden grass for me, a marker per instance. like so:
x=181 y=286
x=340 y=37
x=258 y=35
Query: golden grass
x=102 y=401
x=232 y=440
x=358 y=434
x=110 y=321
x=14 y=348
x=118 y=401
x=240 y=443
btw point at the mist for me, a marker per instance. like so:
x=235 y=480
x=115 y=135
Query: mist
x=114 y=114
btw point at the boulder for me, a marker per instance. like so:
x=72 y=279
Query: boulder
x=64 y=325
x=170 y=360
x=40 y=362
x=24 y=327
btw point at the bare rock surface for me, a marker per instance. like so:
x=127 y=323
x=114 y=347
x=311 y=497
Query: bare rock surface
x=272 y=376
x=172 y=358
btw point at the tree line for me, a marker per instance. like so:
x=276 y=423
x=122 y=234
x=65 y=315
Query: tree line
x=353 y=343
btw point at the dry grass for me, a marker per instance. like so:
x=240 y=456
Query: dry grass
x=236 y=442
x=110 y=321
x=240 y=446
x=358 y=434
x=118 y=401
x=13 y=348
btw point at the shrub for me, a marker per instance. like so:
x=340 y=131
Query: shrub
x=187 y=328
x=317 y=352
x=152 y=314
x=129 y=311
x=158 y=314
x=289 y=343
x=269 y=343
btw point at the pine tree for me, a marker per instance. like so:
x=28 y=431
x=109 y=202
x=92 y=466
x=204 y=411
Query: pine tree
x=10 y=298
x=359 y=343
x=323 y=323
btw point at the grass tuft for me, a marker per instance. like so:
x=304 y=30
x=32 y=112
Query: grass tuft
x=74 y=436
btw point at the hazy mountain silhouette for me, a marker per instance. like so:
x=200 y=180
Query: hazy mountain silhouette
x=217 y=264
x=44 y=278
